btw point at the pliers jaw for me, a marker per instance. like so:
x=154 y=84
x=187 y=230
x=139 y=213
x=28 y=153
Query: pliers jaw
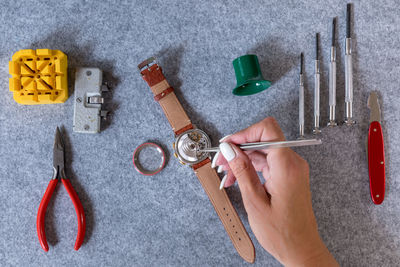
x=58 y=156
x=58 y=173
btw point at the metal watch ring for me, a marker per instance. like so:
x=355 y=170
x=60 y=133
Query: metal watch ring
x=137 y=164
x=179 y=153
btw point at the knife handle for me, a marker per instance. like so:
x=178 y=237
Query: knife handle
x=376 y=162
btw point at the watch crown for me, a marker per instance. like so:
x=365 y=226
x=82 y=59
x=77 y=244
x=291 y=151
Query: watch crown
x=175 y=155
x=173 y=145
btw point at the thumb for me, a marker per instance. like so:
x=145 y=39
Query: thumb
x=253 y=192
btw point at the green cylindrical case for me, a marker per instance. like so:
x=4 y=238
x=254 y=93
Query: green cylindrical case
x=248 y=76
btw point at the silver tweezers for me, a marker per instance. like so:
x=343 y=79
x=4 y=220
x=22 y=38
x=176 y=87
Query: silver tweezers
x=267 y=145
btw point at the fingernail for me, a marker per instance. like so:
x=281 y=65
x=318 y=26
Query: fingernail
x=214 y=161
x=223 y=138
x=227 y=151
x=220 y=169
x=221 y=185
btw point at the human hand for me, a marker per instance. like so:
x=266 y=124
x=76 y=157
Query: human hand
x=279 y=211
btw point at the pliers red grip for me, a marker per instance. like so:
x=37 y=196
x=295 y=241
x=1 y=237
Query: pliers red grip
x=58 y=162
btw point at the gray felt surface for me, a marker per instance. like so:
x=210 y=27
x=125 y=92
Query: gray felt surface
x=133 y=220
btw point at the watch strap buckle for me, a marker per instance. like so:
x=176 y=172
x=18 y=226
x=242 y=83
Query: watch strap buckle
x=146 y=64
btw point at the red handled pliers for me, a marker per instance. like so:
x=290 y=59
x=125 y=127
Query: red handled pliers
x=59 y=172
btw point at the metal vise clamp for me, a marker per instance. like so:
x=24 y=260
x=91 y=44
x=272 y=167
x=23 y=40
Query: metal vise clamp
x=88 y=100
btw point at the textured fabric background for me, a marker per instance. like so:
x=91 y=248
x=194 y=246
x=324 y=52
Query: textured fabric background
x=167 y=219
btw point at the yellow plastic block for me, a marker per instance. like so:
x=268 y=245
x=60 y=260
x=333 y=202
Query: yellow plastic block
x=39 y=77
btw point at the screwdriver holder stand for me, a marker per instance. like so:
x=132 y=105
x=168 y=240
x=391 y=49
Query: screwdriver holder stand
x=88 y=100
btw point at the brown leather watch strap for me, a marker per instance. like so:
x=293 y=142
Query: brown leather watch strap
x=164 y=94
x=226 y=212
x=180 y=122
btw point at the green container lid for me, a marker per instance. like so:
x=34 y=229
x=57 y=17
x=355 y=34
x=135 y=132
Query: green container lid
x=248 y=76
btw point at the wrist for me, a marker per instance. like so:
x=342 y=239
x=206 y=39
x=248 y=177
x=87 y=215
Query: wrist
x=319 y=257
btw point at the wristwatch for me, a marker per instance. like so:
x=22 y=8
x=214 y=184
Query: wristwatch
x=188 y=141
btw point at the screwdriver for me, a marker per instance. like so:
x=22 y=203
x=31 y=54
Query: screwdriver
x=332 y=79
x=317 y=78
x=348 y=71
x=301 y=98
x=268 y=145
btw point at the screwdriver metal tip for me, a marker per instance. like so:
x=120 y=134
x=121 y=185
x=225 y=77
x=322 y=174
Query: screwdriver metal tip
x=301 y=63
x=317 y=46
x=348 y=21
x=334 y=31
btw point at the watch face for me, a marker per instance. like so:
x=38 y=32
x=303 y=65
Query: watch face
x=188 y=144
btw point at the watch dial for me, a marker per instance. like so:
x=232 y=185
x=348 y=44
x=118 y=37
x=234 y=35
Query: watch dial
x=188 y=145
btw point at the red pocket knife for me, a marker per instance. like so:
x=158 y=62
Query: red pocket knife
x=376 y=152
